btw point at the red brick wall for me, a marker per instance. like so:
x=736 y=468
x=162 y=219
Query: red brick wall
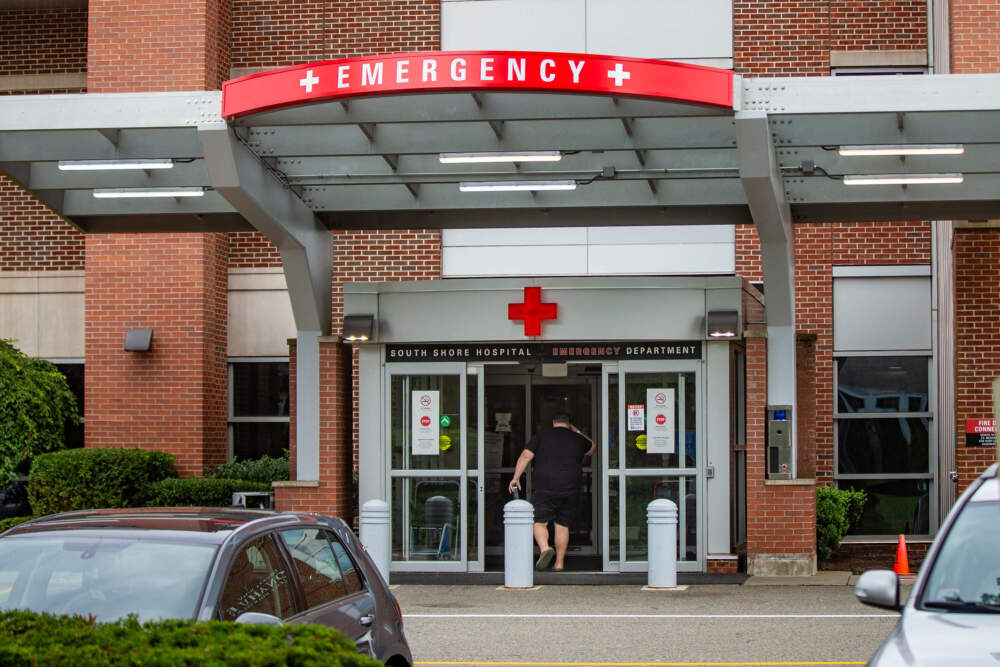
x=43 y=41
x=266 y=34
x=975 y=36
x=143 y=46
x=32 y=237
x=171 y=398
x=977 y=363
x=795 y=37
x=252 y=250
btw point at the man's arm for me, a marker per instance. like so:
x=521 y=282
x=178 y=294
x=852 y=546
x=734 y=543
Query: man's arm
x=593 y=445
x=522 y=463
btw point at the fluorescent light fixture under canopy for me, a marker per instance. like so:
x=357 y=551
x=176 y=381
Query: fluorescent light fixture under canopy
x=904 y=149
x=524 y=156
x=141 y=193
x=114 y=165
x=902 y=179
x=515 y=186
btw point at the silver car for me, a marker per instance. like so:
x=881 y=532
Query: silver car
x=953 y=614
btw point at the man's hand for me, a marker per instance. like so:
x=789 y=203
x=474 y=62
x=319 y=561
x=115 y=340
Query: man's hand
x=514 y=483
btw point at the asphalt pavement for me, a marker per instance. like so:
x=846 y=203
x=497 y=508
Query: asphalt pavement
x=764 y=621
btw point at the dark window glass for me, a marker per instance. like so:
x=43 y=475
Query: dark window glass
x=882 y=384
x=893 y=506
x=260 y=389
x=252 y=440
x=258 y=582
x=74 y=378
x=317 y=567
x=878 y=446
x=352 y=579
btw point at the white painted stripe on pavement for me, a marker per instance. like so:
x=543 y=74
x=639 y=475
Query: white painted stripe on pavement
x=635 y=616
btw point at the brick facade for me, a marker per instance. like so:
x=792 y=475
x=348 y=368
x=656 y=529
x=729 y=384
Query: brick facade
x=252 y=250
x=43 y=41
x=173 y=397
x=32 y=237
x=975 y=36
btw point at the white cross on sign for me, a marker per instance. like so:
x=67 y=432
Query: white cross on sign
x=309 y=81
x=619 y=73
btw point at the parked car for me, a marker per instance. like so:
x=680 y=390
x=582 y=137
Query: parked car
x=245 y=566
x=953 y=614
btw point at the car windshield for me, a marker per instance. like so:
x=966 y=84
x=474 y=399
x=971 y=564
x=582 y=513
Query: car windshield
x=105 y=576
x=966 y=572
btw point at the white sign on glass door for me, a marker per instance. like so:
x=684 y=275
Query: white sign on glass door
x=636 y=417
x=660 y=421
x=425 y=425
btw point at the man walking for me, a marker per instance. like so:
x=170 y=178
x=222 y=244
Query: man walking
x=558 y=454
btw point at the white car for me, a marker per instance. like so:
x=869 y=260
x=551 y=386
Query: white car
x=953 y=614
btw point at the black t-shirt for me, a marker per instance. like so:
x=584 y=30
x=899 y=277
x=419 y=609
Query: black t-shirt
x=558 y=462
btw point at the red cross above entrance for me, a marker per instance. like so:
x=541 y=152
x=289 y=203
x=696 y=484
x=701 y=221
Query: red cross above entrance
x=532 y=311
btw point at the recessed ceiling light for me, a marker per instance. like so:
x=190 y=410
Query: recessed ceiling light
x=514 y=186
x=139 y=193
x=904 y=149
x=113 y=165
x=902 y=179
x=525 y=156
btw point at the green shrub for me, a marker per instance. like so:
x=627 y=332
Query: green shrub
x=837 y=510
x=199 y=491
x=32 y=639
x=36 y=405
x=92 y=478
x=264 y=469
x=12 y=521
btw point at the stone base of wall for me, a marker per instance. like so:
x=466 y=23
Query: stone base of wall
x=781 y=565
x=862 y=556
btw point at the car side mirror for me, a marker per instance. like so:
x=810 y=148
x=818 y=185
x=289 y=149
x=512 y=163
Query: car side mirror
x=256 y=618
x=879 y=588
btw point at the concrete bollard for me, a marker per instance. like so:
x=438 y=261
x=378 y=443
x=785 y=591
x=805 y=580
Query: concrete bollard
x=661 y=517
x=374 y=525
x=518 y=544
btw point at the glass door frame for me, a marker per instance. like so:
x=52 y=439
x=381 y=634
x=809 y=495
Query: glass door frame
x=619 y=471
x=463 y=474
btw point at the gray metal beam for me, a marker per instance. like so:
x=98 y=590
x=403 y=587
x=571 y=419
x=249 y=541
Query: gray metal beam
x=115 y=111
x=820 y=190
x=540 y=217
x=766 y=197
x=952 y=127
x=885 y=211
x=52 y=145
x=307 y=256
x=72 y=203
x=165 y=222
x=48 y=176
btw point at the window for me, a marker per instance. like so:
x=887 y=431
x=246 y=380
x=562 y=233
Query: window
x=352 y=579
x=257 y=582
x=883 y=440
x=317 y=567
x=258 y=408
x=73 y=370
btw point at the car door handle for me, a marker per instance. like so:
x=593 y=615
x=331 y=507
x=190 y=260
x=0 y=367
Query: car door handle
x=367 y=620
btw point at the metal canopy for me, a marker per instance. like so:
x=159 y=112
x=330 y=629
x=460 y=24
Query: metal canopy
x=373 y=162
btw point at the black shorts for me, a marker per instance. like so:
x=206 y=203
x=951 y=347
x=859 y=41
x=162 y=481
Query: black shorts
x=553 y=506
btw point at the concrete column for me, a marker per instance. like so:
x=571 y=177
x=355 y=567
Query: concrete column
x=661 y=518
x=518 y=551
x=374 y=525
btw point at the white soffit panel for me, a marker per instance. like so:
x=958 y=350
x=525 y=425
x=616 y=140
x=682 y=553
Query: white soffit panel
x=548 y=260
x=513 y=25
x=662 y=259
x=881 y=314
x=663 y=234
x=511 y=237
x=668 y=29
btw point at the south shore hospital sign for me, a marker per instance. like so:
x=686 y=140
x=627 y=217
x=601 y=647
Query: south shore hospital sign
x=477 y=70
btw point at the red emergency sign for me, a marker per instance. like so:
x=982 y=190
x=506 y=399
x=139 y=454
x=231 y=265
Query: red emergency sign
x=661 y=419
x=425 y=421
x=477 y=71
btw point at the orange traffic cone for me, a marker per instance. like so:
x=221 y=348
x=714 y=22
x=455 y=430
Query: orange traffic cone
x=902 y=565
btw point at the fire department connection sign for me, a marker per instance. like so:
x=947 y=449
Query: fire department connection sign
x=477 y=71
x=660 y=422
x=425 y=422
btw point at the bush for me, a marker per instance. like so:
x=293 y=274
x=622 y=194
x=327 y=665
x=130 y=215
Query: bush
x=199 y=491
x=36 y=404
x=12 y=521
x=265 y=469
x=27 y=638
x=91 y=478
x=837 y=510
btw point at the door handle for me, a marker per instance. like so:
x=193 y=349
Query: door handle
x=367 y=620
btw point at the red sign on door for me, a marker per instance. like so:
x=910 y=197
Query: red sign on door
x=661 y=419
x=425 y=421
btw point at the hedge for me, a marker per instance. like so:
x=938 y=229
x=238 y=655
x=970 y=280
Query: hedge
x=94 y=478
x=837 y=510
x=199 y=491
x=12 y=521
x=32 y=639
x=264 y=469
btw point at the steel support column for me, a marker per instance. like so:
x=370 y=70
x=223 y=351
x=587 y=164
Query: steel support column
x=773 y=219
x=306 y=254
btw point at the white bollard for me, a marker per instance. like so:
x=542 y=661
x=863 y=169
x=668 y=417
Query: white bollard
x=374 y=525
x=661 y=517
x=518 y=544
